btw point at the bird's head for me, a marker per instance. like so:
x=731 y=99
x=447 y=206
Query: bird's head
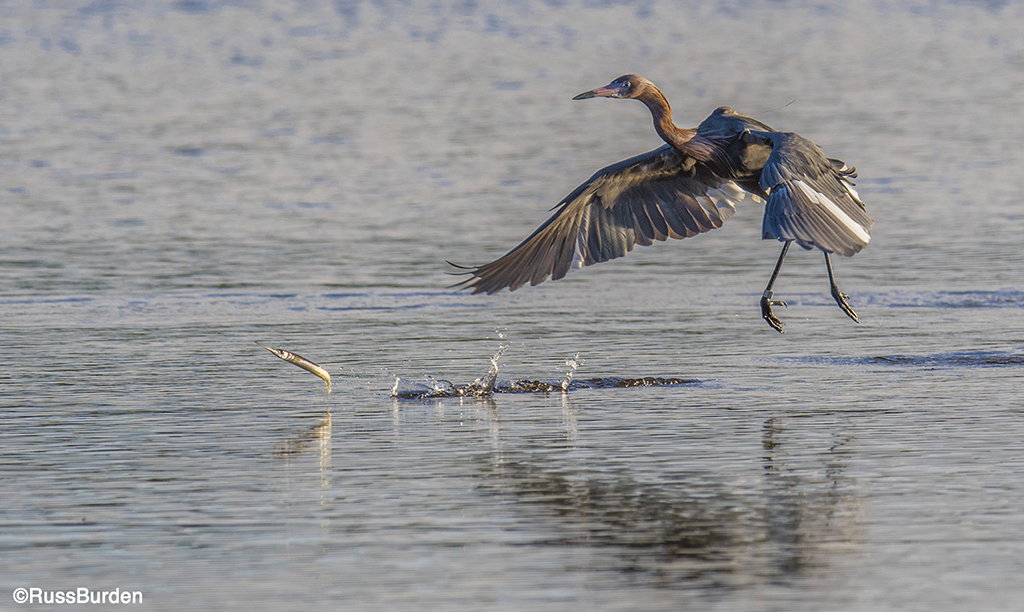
x=626 y=86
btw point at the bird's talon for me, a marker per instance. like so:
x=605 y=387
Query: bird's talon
x=774 y=322
x=769 y=316
x=840 y=299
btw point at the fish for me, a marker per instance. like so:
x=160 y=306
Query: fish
x=303 y=363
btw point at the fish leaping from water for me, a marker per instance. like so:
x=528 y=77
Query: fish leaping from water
x=303 y=363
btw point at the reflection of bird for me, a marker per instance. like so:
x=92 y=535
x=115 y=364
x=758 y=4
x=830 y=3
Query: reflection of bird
x=689 y=186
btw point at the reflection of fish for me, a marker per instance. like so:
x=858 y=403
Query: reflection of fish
x=303 y=363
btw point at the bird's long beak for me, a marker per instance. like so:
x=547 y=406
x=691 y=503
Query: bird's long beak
x=601 y=92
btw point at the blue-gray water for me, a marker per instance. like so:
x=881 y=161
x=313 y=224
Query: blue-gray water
x=180 y=180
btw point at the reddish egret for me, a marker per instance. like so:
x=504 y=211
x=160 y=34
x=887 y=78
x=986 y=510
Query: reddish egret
x=689 y=186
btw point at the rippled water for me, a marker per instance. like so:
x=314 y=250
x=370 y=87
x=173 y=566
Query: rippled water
x=182 y=180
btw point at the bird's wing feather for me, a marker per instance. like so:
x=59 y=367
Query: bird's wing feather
x=811 y=199
x=658 y=195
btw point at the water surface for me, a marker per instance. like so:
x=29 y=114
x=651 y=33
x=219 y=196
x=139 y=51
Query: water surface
x=182 y=180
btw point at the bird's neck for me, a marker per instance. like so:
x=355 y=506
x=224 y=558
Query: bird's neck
x=680 y=138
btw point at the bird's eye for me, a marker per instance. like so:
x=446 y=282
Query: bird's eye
x=626 y=84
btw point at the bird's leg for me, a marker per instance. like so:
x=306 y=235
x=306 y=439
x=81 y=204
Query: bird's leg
x=766 y=297
x=838 y=295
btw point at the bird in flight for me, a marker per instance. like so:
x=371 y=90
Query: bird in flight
x=689 y=186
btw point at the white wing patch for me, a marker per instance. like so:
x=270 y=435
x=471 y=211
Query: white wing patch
x=577 y=254
x=840 y=216
x=853 y=192
x=724 y=199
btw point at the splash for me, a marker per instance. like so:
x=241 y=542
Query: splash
x=526 y=385
x=572 y=365
x=481 y=387
x=488 y=384
x=485 y=384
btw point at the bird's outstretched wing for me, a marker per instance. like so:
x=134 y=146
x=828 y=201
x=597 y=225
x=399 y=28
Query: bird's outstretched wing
x=811 y=198
x=658 y=195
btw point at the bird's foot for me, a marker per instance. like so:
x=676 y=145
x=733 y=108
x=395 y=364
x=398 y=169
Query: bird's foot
x=766 y=311
x=840 y=299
